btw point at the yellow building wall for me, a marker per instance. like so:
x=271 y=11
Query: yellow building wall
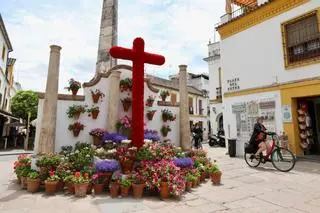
x=289 y=95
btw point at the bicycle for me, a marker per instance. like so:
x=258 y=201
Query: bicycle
x=281 y=158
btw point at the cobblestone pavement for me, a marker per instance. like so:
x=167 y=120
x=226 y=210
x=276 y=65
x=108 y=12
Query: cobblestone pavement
x=243 y=190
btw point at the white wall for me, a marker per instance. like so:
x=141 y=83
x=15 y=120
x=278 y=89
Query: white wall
x=229 y=119
x=3 y=63
x=213 y=116
x=256 y=54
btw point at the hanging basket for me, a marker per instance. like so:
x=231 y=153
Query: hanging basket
x=76 y=132
x=165 y=118
x=150 y=115
x=216 y=178
x=164 y=134
x=164 y=190
x=74 y=91
x=150 y=103
x=76 y=116
x=163 y=98
x=95 y=97
x=126 y=106
x=96 y=140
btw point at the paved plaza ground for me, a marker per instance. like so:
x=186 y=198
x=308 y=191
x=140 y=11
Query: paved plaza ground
x=243 y=190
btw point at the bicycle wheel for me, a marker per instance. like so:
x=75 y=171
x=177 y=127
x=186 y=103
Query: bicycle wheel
x=283 y=159
x=251 y=160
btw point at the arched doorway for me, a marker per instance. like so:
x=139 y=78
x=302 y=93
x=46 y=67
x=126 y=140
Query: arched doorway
x=219 y=121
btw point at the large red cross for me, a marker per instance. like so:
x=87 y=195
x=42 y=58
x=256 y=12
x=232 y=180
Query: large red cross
x=138 y=58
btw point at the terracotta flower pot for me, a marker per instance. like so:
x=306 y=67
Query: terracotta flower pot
x=126 y=106
x=98 y=188
x=126 y=166
x=137 y=190
x=95 y=114
x=60 y=186
x=150 y=103
x=80 y=190
x=114 y=190
x=207 y=174
x=216 y=178
x=33 y=185
x=96 y=140
x=124 y=191
x=76 y=116
x=165 y=134
x=74 y=91
x=165 y=118
x=150 y=115
x=19 y=179
x=51 y=187
x=194 y=184
x=70 y=187
x=163 y=98
x=76 y=132
x=128 y=133
x=23 y=183
x=107 y=176
x=89 y=189
x=164 y=190
x=203 y=176
x=188 y=186
x=198 y=181
x=95 y=97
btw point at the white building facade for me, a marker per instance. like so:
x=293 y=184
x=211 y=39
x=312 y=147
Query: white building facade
x=270 y=54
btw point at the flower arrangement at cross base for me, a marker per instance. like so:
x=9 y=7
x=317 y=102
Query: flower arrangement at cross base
x=93 y=112
x=124 y=126
x=151 y=135
x=74 y=86
x=126 y=155
x=113 y=138
x=76 y=128
x=96 y=95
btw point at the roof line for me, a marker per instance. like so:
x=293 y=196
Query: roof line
x=5 y=34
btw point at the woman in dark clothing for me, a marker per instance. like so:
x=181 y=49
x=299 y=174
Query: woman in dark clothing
x=258 y=138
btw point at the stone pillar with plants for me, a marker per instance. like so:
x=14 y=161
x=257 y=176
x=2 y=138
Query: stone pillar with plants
x=76 y=128
x=74 y=86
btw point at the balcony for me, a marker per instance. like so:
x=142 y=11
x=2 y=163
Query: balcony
x=218 y=93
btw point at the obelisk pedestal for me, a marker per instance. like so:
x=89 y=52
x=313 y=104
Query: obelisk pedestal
x=49 y=115
x=113 y=101
x=185 y=142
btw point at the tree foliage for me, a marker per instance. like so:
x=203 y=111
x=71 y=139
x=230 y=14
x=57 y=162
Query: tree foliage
x=24 y=102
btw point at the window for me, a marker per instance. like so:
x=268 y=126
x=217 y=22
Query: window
x=301 y=38
x=191 y=105
x=173 y=98
x=200 y=107
x=3 y=52
x=6 y=104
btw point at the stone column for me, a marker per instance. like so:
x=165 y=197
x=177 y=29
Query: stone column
x=108 y=35
x=185 y=142
x=49 y=114
x=113 y=101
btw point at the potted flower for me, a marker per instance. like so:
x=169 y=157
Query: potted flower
x=196 y=174
x=69 y=183
x=150 y=100
x=165 y=129
x=164 y=94
x=63 y=170
x=189 y=181
x=97 y=135
x=115 y=184
x=150 y=114
x=215 y=174
x=126 y=103
x=125 y=187
x=24 y=172
x=183 y=162
x=94 y=111
x=106 y=168
x=98 y=183
x=75 y=111
x=76 y=128
x=124 y=126
x=202 y=169
x=151 y=135
x=96 y=95
x=138 y=184
x=51 y=183
x=167 y=115
x=81 y=183
x=23 y=162
x=125 y=84
x=33 y=181
x=74 y=86
x=126 y=155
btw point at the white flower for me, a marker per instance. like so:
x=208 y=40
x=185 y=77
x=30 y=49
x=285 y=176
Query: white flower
x=126 y=141
x=147 y=141
x=108 y=141
x=112 y=151
x=100 y=151
x=77 y=151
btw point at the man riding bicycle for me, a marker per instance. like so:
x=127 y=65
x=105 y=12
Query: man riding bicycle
x=197 y=134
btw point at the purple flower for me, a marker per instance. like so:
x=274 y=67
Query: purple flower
x=151 y=135
x=114 y=137
x=183 y=162
x=107 y=166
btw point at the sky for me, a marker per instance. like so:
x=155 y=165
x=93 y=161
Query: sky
x=178 y=29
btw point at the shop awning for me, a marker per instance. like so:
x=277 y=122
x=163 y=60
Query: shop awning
x=8 y=115
x=245 y=3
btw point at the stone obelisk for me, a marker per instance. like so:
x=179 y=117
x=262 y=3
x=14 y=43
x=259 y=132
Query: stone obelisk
x=185 y=142
x=49 y=115
x=108 y=35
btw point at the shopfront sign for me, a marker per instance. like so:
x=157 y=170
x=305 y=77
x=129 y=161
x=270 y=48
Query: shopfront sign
x=286 y=113
x=233 y=84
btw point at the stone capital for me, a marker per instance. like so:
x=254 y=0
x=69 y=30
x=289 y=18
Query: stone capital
x=115 y=74
x=55 y=48
x=183 y=67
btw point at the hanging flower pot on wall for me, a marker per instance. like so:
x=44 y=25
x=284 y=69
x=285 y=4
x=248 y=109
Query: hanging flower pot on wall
x=126 y=102
x=167 y=115
x=74 y=86
x=96 y=95
x=76 y=128
x=94 y=112
x=165 y=129
x=75 y=111
x=150 y=101
x=150 y=114
x=164 y=94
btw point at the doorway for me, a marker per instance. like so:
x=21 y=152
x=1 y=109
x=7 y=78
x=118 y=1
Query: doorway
x=309 y=124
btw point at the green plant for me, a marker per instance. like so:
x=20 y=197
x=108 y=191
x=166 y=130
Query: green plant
x=165 y=129
x=25 y=102
x=50 y=161
x=214 y=169
x=78 y=178
x=125 y=182
x=81 y=145
x=190 y=178
x=164 y=93
x=126 y=100
x=75 y=109
x=125 y=84
x=93 y=109
x=68 y=179
x=81 y=158
x=24 y=171
x=64 y=169
x=34 y=175
x=76 y=125
x=167 y=115
x=202 y=168
x=66 y=150
x=53 y=177
x=73 y=85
